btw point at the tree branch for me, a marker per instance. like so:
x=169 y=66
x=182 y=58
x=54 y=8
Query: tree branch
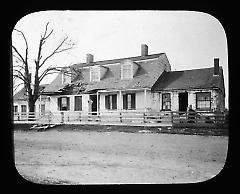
x=19 y=77
x=19 y=54
x=20 y=74
x=16 y=86
x=23 y=37
x=46 y=71
x=57 y=50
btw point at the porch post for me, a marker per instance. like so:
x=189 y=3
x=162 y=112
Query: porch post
x=120 y=100
x=120 y=105
x=145 y=100
x=40 y=107
x=97 y=103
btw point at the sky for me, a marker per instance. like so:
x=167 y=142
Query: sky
x=190 y=39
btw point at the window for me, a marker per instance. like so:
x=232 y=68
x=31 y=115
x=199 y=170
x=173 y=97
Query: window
x=203 y=100
x=63 y=103
x=42 y=108
x=129 y=101
x=111 y=101
x=15 y=108
x=66 y=78
x=126 y=71
x=95 y=73
x=166 y=101
x=78 y=103
x=23 y=108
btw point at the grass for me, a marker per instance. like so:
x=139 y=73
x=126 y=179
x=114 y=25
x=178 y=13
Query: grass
x=133 y=129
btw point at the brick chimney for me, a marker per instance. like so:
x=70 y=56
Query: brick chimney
x=216 y=66
x=89 y=58
x=144 y=50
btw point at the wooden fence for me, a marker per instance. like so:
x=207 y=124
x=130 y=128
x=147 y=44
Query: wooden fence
x=166 y=118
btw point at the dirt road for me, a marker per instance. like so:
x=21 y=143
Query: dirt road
x=80 y=157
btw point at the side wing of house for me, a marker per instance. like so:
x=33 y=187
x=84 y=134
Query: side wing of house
x=199 y=88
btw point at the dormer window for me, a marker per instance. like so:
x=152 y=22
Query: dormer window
x=128 y=69
x=94 y=73
x=66 y=78
x=97 y=73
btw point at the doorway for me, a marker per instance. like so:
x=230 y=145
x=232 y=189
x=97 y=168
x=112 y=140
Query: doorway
x=183 y=101
x=93 y=104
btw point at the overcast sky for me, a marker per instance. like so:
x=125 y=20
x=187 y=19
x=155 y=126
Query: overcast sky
x=190 y=39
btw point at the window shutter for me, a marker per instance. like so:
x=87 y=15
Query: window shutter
x=107 y=103
x=125 y=101
x=114 y=101
x=68 y=104
x=133 y=105
x=59 y=103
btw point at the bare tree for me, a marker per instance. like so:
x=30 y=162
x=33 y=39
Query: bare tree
x=21 y=66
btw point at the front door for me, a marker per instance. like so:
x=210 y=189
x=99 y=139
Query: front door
x=183 y=101
x=93 y=103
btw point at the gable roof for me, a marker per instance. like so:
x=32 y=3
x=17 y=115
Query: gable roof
x=189 y=79
x=22 y=94
x=149 y=70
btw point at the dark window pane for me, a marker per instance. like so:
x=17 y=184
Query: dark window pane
x=78 y=103
x=133 y=106
x=107 y=103
x=125 y=101
x=114 y=101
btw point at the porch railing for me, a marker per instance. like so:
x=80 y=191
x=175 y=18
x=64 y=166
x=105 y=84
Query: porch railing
x=167 y=118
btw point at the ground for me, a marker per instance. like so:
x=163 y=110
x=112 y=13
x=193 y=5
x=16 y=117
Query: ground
x=93 y=157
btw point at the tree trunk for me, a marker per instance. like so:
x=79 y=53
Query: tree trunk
x=31 y=104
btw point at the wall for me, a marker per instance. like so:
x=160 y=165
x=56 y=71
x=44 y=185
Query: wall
x=37 y=103
x=140 y=100
x=53 y=104
x=217 y=99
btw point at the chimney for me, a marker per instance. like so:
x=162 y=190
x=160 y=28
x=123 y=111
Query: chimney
x=89 y=58
x=216 y=66
x=144 y=50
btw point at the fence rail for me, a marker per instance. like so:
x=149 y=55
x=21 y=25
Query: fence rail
x=167 y=118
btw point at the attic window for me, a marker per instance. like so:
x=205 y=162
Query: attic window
x=66 y=78
x=128 y=69
x=97 y=73
x=94 y=73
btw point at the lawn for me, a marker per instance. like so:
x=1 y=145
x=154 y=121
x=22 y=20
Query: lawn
x=94 y=157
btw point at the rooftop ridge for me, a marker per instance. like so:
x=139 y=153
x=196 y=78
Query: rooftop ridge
x=111 y=61
x=192 y=69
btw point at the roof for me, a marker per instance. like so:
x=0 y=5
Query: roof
x=189 y=79
x=149 y=69
x=112 y=61
x=22 y=94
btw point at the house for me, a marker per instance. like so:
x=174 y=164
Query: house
x=20 y=102
x=141 y=83
x=203 y=89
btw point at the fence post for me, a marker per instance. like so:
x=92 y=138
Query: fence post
x=144 y=117
x=79 y=116
x=98 y=115
x=62 y=117
x=49 y=118
x=120 y=116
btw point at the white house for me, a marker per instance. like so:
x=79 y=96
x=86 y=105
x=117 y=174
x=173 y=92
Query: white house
x=140 y=83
